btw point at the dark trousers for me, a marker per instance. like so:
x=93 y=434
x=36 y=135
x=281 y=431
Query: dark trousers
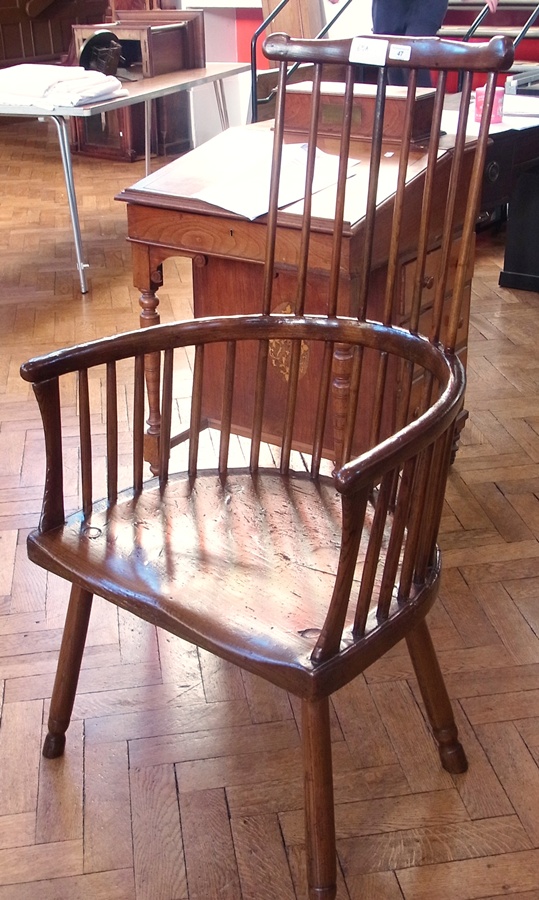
x=412 y=17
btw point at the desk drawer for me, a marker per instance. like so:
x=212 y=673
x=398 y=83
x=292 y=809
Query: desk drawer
x=220 y=234
x=191 y=233
x=428 y=292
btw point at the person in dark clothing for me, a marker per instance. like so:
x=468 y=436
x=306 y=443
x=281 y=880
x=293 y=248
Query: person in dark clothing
x=413 y=17
x=408 y=17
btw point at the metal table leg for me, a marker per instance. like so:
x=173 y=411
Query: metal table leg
x=147 y=134
x=63 y=140
x=220 y=97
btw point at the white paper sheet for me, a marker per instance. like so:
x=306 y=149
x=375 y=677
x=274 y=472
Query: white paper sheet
x=240 y=182
x=247 y=193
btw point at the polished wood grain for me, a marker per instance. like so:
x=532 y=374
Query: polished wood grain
x=199 y=723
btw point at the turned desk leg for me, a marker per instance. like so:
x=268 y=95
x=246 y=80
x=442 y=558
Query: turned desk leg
x=149 y=315
x=148 y=277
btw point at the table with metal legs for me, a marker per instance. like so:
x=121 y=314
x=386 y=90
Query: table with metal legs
x=143 y=91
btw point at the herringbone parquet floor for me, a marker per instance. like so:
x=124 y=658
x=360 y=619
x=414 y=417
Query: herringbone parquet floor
x=181 y=775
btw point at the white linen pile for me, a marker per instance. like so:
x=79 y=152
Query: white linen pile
x=48 y=86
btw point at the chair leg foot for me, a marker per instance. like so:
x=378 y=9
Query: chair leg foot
x=453 y=756
x=322 y=893
x=54 y=745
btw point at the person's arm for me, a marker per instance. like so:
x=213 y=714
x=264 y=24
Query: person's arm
x=492 y=5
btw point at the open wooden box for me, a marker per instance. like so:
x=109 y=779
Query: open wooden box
x=154 y=41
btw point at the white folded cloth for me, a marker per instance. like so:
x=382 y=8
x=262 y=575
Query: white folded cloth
x=48 y=87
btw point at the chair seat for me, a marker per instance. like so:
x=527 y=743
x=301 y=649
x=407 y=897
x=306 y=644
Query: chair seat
x=271 y=543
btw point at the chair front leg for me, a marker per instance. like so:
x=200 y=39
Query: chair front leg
x=67 y=672
x=319 y=809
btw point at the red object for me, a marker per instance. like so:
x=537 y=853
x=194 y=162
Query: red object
x=247 y=21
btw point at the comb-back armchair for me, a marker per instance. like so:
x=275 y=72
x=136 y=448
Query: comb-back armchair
x=300 y=557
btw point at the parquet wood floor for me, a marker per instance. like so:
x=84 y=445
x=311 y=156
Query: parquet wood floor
x=181 y=775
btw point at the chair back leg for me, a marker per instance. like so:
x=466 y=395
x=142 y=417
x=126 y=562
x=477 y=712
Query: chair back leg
x=436 y=698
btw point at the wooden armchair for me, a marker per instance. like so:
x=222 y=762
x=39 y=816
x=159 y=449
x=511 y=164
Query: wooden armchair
x=305 y=548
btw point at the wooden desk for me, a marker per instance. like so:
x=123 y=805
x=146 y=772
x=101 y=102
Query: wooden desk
x=165 y=220
x=143 y=91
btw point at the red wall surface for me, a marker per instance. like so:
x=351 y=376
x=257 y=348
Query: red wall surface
x=247 y=21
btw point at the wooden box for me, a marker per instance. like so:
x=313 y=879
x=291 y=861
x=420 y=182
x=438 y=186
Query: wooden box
x=155 y=41
x=298 y=111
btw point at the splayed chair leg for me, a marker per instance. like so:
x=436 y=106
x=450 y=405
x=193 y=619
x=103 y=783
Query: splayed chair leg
x=436 y=699
x=319 y=810
x=67 y=673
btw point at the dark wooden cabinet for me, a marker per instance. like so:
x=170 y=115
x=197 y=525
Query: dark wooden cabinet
x=121 y=135
x=521 y=261
x=116 y=135
x=40 y=30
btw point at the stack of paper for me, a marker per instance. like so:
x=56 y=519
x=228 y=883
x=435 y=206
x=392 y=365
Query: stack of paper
x=241 y=182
